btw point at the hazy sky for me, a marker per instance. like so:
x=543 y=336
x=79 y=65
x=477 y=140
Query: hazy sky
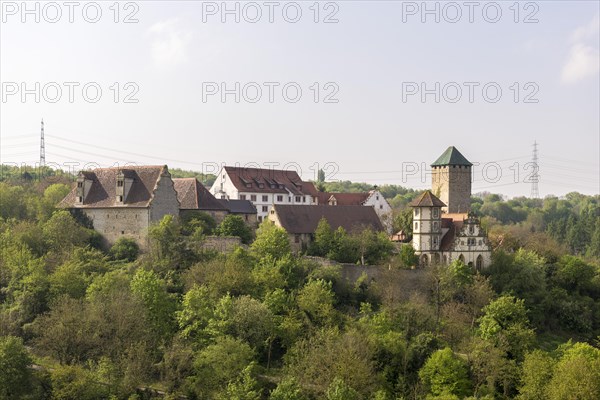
x=393 y=87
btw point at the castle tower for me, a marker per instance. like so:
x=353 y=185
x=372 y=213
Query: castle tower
x=427 y=224
x=451 y=181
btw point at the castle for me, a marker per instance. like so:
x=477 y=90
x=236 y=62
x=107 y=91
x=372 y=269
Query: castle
x=444 y=229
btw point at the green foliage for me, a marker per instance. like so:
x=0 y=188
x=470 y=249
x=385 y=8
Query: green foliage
x=15 y=376
x=75 y=382
x=271 y=241
x=338 y=390
x=505 y=323
x=234 y=225
x=577 y=374
x=205 y=179
x=537 y=372
x=287 y=389
x=160 y=306
x=408 y=258
x=198 y=222
x=125 y=249
x=446 y=374
x=218 y=364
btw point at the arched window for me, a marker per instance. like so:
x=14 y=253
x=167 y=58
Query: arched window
x=424 y=260
x=479 y=263
x=416 y=225
x=461 y=258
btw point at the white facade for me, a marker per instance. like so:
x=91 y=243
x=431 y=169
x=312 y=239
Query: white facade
x=224 y=188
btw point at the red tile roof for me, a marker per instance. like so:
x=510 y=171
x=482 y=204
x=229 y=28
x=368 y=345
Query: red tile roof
x=299 y=219
x=269 y=181
x=102 y=193
x=192 y=195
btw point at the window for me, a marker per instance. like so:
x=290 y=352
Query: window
x=120 y=183
x=242 y=197
x=253 y=197
x=265 y=208
x=280 y=198
x=377 y=197
x=122 y=232
x=381 y=206
x=436 y=213
x=297 y=199
x=435 y=226
x=259 y=218
x=435 y=240
x=416 y=225
x=480 y=242
x=471 y=229
x=304 y=199
x=265 y=198
x=416 y=212
x=79 y=199
x=79 y=184
x=272 y=212
x=120 y=199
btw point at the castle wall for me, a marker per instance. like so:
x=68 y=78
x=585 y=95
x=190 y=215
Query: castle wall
x=113 y=223
x=165 y=199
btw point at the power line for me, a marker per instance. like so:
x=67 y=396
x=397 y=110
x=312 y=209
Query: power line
x=535 y=177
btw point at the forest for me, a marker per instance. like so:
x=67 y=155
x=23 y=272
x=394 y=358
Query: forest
x=79 y=321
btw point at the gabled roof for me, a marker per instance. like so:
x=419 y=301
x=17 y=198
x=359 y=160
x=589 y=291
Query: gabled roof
x=297 y=219
x=238 y=206
x=427 y=199
x=261 y=180
x=102 y=193
x=192 y=195
x=350 y=199
x=451 y=157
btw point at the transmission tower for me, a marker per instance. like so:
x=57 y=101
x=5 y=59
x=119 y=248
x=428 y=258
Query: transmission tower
x=42 y=147
x=535 y=177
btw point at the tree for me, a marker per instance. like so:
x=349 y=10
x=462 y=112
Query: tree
x=505 y=323
x=196 y=312
x=338 y=390
x=218 y=364
x=198 y=222
x=536 y=373
x=160 y=306
x=577 y=373
x=316 y=299
x=323 y=241
x=408 y=258
x=287 y=389
x=166 y=243
x=317 y=361
x=244 y=387
x=125 y=249
x=76 y=382
x=271 y=241
x=15 y=376
x=234 y=225
x=444 y=373
x=64 y=233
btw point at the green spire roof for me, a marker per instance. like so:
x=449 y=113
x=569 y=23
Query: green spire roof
x=451 y=157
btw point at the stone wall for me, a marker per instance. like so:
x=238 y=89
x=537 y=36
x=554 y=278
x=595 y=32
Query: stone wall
x=223 y=244
x=164 y=200
x=452 y=184
x=113 y=223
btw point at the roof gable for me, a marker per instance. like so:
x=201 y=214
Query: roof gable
x=451 y=157
x=102 y=193
x=427 y=199
x=192 y=195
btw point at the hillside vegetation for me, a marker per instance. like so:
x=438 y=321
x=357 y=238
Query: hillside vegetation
x=81 y=322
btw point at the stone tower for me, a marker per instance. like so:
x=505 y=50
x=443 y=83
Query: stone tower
x=451 y=181
x=427 y=223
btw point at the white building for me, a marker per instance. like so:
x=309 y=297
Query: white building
x=441 y=237
x=263 y=187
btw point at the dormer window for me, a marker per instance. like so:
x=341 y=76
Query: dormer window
x=120 y=183
x=79 y=184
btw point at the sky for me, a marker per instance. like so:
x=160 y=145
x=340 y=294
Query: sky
x=370 y=91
